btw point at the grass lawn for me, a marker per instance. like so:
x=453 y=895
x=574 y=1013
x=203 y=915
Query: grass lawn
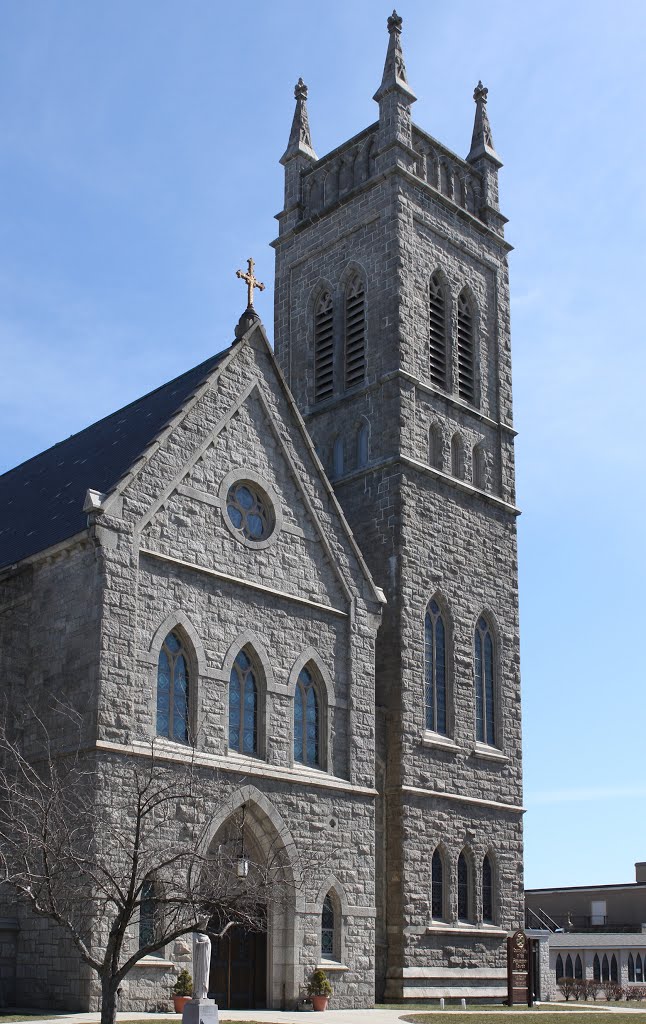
x=548 y=1016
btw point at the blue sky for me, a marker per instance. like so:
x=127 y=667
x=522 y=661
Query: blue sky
x=139 y=147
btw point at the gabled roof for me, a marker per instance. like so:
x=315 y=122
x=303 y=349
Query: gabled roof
x=41 y=501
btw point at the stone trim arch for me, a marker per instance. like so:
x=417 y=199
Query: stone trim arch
x=447 y=881
x=436 y=445
x=470 y=860
x=333 y=888
x=327 y=701
x=248 y=641
x=494 y=863
x=498 y=662
x=449 y=632
x=311 y=656
x=249 y=638
x=180 y=620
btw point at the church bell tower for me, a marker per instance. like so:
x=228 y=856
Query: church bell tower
x=392 y=330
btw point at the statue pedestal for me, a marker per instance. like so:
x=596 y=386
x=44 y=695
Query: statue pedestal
x=200 y=1011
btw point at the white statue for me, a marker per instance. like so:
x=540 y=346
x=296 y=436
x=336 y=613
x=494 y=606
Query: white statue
x=201 y=965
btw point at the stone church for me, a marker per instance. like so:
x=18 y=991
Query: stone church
x=301 y=563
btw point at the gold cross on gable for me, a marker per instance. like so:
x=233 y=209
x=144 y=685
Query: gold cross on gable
x=251 y=280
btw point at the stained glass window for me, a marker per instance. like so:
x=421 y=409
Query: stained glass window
x=631 y=968
x=614 y=973
x=306 y=721
x=578 y=967
x=437 y=886
x=148 y=911
x=484 y=673
x=605 y=969
x=559 y=967
x=435 y=669
x=487 y=891
x=243 y=706
x=172 y=690
x=569 y=969
x=249 y=511
x=596 y=968
x=327 y=928
x=463 y=888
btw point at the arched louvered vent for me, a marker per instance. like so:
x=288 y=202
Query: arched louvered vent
x=323 y=348
x=437 y=333
x=355 y=333
x=466 y=351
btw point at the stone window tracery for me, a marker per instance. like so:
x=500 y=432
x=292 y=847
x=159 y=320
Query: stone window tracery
x=243 y=706
x=487 y=890
x=249 y=511
x=464 y=888
x=435 y=669
x=307 y=721
x=173 y=690
x=437 y=886
x=328 y=924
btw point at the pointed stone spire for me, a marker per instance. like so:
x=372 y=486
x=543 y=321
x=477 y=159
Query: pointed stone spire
x=300 y=139
x=482 y=139
x=394 y=76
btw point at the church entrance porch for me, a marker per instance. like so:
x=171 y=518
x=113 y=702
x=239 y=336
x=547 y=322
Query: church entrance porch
x=238 y=977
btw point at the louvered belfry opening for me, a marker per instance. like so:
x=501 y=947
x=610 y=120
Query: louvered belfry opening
x=466 y=351
x=323 y=348
x=437 y=333
x=355 y=333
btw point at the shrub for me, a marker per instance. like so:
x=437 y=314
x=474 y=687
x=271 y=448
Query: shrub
x=592 y=987
x=319 y=984
x=612 y=990
x=579 y=988
x=184 y=984
x=566 y=986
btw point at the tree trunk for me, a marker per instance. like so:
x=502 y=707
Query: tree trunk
x=109 y=986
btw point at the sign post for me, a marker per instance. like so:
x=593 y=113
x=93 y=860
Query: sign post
x=520 y=969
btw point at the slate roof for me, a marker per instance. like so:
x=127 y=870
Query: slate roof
x=41 y=501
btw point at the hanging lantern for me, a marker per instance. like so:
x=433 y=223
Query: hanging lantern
x=242 y=869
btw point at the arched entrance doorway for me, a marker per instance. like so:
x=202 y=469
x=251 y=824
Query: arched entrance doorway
x=253 y=962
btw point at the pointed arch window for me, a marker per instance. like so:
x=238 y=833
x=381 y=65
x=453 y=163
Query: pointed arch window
x=435 y=669
x=596 y=968
x=484 y=673
x=338 y=459
x=569 y=969
x=639 y=970
x=437 y=333
x=479 y=467
x=435 y=446
x=631 y=968
x=466 y=351
x=487 y=890
x=172 y=690
x=149 y=915
x=362 y=446
x=578 y=967
x=437 y=886
x=243 y=706
x=559 y=967
x=323 y=348
x=605 y=969
x=464 y=887
x=328 y=928
x=307 y=721
x=614 y=969
x=355 y=332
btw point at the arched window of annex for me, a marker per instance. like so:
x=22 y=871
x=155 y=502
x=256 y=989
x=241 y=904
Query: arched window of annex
x=479 y=467
x=312 y=698
x=466 y=347
x=363 y=444
x=484 y=660
x=596 y=968
x=639 y=975
x=354 y=307
x=437 y=337
x=457 y=456
x=465 y=886
x=614 y=969
x=559 y=967
x=323 y=345
x=338 y=457
x=436 y=668
x=569 y=968
x=488 y=888
x=149 y=916
x=605 y=969
x=578 y=967
x=435 y=446
x=631 y=967
x=439 y=885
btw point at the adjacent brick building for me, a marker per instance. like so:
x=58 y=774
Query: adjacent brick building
x=198 y=528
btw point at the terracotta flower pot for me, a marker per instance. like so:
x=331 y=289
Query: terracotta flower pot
x=179 y=1002
x=320 y=1002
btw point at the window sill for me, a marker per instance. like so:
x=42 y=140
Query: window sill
x=435 y=739
x=331 y=965
x=488 y=753
x=154 y=961
x=440 y=928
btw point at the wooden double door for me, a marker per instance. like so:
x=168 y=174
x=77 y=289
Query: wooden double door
x=238 y=978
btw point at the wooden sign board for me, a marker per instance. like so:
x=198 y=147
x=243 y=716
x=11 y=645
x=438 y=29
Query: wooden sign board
x=520 y=982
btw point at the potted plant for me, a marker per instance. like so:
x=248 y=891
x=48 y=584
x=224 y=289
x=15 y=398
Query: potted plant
x=182 y=990
x=319 y=989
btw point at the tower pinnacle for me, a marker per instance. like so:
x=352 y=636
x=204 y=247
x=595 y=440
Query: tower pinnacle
x=394 y=76
x=300 y=139
x=482 y=139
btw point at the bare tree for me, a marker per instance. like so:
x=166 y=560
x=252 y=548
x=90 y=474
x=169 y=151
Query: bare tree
x=113 y=850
